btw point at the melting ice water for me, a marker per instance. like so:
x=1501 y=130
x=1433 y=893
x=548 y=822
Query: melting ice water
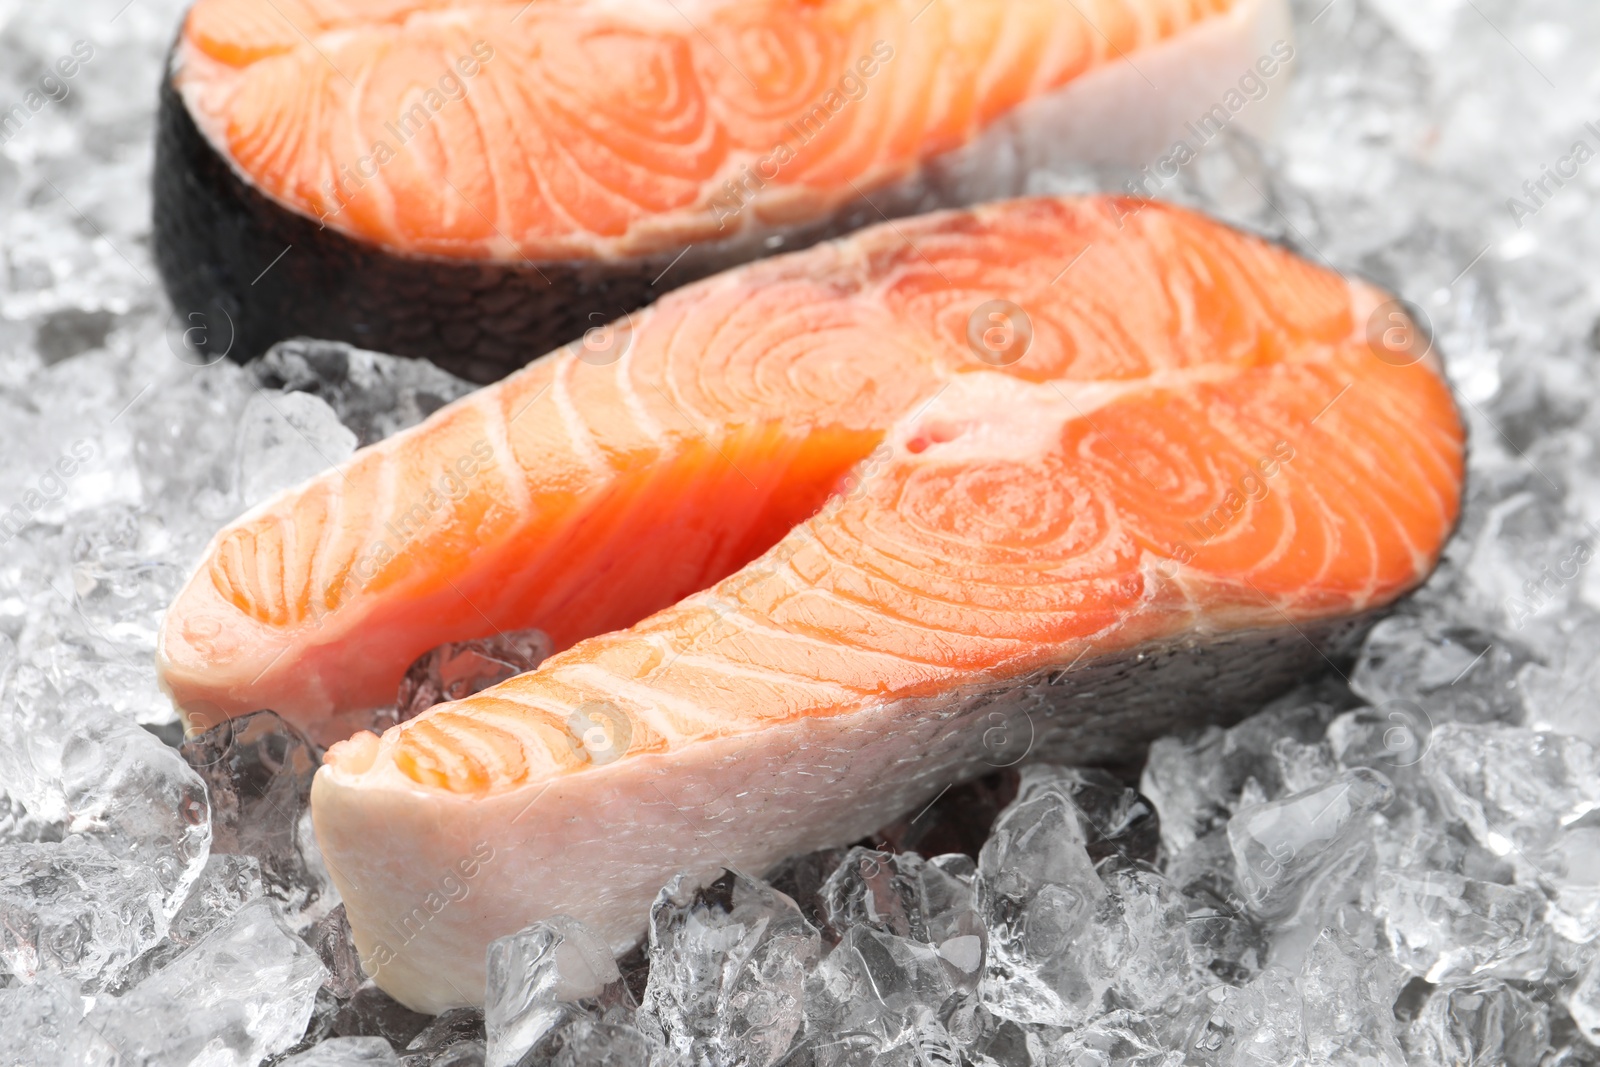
x=1404 y=868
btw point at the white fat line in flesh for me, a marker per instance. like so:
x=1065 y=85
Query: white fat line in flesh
x=583 y=443
x=834 y=691
x=757 y=625
x=897 y=622
x=650 y=706
x=497 y=433
x=631 y=400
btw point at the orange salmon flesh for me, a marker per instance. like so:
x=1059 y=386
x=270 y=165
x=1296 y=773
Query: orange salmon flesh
x=795 y=529
x=615 y=129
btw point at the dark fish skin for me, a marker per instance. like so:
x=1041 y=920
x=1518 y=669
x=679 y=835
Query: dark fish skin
x=220 y=246
x=215 y=235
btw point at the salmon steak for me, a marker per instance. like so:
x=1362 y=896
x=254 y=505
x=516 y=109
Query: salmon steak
x=480 y=181
x=833 y=530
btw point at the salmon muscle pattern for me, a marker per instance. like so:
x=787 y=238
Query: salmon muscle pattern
x=1044 y=478
x=477 y=182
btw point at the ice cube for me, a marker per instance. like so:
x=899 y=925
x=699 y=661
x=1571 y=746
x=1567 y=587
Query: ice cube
x=346 y=1052
x=801 y=878
x=901 y=894
x=586 y=1042
x=460 y=668
x=1483 y=1023
x=1255 y=1025
x=81 y=768
x=454 y=1039
x=1561 y=698
x=285 y=439
x=1302 y=766
x=41 y=1021
x=137 y=799
x=1569 y=871
x=1123 y=1038
x=335 y=946
x=727 y=969
x=1281 y=849
x=538 y=979
x=226 y=884
x=1452 y=673
x=373 y=394
x=1513 y=788
x=1447 y=928
x=1037 y=892
x=1198 y=783
x=258 y=769
x=1138 y=942
x=874 y=982
x=1348 y=992
x=1225 y=939
x=1115 y=819
x=242 y=993
x=70 y=908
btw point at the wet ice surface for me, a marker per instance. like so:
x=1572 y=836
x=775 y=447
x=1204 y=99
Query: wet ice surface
x=1404 y=868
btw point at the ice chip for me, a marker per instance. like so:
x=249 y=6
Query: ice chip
x=1115 y=819
x=1302 y=766
x=460 y=668
x=124 y=574
x=284 y=439
x=1198 y=783
x=585 y=1042
x=1452 y=673
x=258 y=769
x=373 y=1013
x=1282 y=847
x=1447 y=928
x=902 y=894
x=1582 y=999
x=335 y=946
x=801 y=878
x=1562 y=697
x=454 y=1039
x=537 y=979
x=728 y=963
x=1138 y=944
x=138 y=800
x=346 y=1052
x=1482 y=1023
x=1037 y=891
x=1569 y=871
x=1255 y=1025
x=41 y=1021
x=1391 y=742
x=1124 y=1038
x=372 y=393
x=1225 y=940
x=72 y=909
x=874 y=982
x=1515 y=789
x=243 y=992
x=225 y=885
x=1348 y=991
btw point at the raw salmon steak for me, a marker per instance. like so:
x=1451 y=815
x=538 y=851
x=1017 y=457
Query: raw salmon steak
x=478 y=182
x=835 y=529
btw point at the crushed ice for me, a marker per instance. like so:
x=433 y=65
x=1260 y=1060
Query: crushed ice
x=1401 y=869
